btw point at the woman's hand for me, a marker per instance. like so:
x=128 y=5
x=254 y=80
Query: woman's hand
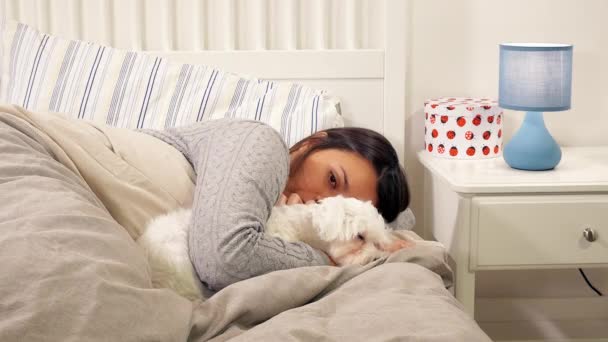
x=332 y=262
x=292 y=199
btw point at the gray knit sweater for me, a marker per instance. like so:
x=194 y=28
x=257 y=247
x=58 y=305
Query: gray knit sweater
x=241 y=169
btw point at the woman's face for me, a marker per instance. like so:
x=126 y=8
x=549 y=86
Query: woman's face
x=333 y=172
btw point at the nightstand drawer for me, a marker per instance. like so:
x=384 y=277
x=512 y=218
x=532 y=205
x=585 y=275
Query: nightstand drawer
x=538 y=231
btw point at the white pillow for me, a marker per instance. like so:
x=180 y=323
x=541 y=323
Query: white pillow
x=137 y=90
x=404 y=221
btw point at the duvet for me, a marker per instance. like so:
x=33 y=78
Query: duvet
x=74 y=196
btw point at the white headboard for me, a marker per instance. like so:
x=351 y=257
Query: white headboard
x=355 y=49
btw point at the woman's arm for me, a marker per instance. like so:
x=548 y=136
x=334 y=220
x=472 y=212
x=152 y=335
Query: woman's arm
x=241 y=167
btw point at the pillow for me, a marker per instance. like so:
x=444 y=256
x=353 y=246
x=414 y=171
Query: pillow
x=135 y=90
x=138 y=90
x=404 y=221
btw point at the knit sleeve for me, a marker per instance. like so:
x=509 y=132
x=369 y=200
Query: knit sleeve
x=241 y=167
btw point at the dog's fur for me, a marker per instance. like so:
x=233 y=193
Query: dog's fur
x=349 y=231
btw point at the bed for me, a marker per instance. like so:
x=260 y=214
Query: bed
x=58 y=175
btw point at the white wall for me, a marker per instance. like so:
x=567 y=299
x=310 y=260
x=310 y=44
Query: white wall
x=453 y=51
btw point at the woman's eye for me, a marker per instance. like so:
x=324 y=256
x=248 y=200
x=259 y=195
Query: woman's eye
x=332 y=180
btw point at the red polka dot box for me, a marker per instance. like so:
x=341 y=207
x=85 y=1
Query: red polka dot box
x=463 y=128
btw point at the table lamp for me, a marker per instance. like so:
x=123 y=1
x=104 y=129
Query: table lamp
x=535 y=78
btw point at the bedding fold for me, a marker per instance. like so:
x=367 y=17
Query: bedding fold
x=74 y=196
x=70 y=272
x=134 y=184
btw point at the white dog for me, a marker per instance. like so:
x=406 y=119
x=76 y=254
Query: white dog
x=349 y=231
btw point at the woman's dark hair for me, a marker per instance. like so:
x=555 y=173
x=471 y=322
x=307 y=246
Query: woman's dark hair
x=392 y=187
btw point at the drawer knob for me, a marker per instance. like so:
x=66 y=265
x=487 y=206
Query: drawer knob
x=590 y=234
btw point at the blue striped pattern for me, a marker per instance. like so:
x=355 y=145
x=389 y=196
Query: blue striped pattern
x=136 y=90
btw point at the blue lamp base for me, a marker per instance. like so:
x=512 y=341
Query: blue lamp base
x=532 y=147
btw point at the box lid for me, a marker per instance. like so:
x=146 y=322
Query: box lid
x=462 y=106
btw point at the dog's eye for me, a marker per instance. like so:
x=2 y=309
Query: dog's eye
x=361 y=237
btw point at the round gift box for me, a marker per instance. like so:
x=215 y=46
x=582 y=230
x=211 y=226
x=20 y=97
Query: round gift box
x=463 y=128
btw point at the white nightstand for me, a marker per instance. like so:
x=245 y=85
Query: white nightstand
x=492 y=217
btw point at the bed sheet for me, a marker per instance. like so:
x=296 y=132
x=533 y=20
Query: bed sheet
x=72 y=271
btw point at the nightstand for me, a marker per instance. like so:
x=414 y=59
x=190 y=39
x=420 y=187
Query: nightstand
x=492 y=217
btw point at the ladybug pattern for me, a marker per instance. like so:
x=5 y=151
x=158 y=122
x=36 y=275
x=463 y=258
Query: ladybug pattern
x=454 y=151
x=485 y=150
x=461 y=121
x=477 y=120
x=472 y=126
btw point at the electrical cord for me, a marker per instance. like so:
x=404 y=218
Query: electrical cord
x=589 y=283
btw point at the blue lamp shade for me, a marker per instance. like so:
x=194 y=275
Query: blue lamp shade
x=535 y=77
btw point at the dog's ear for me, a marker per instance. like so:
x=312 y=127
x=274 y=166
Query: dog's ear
x=328 y=219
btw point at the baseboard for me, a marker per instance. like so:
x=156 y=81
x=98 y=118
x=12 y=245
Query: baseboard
x=518 y=309
x=568 y=340
x=544 y=319
x=589 y=330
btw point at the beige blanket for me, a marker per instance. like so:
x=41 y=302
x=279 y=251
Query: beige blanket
x=73 y=196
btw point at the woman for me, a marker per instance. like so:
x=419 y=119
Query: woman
x=243 y=168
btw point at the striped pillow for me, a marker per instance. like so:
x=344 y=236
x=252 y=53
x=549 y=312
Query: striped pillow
x=137 y=90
